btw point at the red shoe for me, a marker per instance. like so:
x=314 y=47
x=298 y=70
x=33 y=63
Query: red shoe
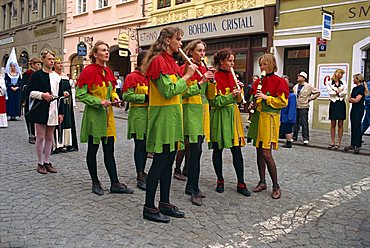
x=220 y=186
x=260 y=187
x=49 y=168
x=276 y=193
x=41 y=169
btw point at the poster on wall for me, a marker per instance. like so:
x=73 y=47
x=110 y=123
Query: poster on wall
x=324 y=74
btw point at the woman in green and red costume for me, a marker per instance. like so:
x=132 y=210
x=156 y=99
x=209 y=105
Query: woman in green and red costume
x=226 y=123
x=265 y=123
x=96 y=89
x=165 y=124
x=135 y=92
x=196 y=117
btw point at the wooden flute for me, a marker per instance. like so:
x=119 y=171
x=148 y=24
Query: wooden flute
x=189 y=61
x=208 y=69
x=237 y=85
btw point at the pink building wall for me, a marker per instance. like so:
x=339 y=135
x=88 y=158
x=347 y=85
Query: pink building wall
x=103 y=24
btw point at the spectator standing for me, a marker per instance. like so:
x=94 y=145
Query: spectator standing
x=13 y=82
x=366 y=122
x=3 y=117
x=305 y=93
x=357 y=112
x=288 y=115
x=337 y=108
x=36 y=65
x=119 y=87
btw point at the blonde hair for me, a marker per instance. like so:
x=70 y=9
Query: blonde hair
x=46 y=52
x=360 y=78
x=160 y=45
x=337 y=71
x=95 y=50
x=271 y=61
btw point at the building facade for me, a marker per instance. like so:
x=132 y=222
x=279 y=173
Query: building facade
x=245 y=26
x=30 y=26
x=298 y=45
x=112 y=21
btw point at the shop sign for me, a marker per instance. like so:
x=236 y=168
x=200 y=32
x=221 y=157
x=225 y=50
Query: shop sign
x=123 y=40
x=81 y=49
x=327 y=24
x=324 y=74
x=6 y=40
x=239 y=23
x=322 y=48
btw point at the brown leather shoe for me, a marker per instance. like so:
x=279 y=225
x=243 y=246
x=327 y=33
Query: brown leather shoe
x=41 y=169
x=49 y=168
x=276 y=193
x=179 y=176
x=196 y=200
x=260 y=187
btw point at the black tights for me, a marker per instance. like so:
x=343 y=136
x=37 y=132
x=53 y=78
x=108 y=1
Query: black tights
x=237 y=162
x=109 y=162
x=194 y=165
x=264 y=157
x=140 y=154
x=160 y=170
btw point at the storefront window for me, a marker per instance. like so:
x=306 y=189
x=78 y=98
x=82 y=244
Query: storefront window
x=76 y=67
x=298 y=53
x=182 y=1
x=164 y=3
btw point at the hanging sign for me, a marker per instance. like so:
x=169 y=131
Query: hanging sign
x=81 y=49
x=327 y=26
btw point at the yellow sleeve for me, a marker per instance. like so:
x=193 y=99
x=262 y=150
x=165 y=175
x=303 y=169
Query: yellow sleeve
x=211 y=91
x=277 y=102
x=114 y=95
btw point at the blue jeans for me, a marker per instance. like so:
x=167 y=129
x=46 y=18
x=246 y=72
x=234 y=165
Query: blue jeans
x=366 y=122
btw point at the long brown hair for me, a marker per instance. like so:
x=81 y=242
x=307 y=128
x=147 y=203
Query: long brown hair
x=221 y=55
x=95 y=50
x=160 y=45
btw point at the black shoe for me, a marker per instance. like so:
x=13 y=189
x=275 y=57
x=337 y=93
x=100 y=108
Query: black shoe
x=120 y=188
x=287 y=145
x=153 y=214
x=242 y=189
x=56 y=151
x=141 y=184
x=188 y=190
x=220 y=186
x=32 y=140
x=71 y=149
x=97 y=189
x=170 y=210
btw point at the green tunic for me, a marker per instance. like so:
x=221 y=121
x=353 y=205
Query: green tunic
x=165 y=119
x=138 y=113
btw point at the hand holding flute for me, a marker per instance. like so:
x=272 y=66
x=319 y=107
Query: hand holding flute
x=191 y=64
x=237 y=85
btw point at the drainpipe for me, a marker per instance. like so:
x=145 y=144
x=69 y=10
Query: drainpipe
x=277 y=12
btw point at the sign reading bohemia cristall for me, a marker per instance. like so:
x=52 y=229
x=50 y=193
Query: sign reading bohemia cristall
x=210 y=27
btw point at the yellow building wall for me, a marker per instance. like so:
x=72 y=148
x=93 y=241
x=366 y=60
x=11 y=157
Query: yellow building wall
x=339 y=49
x=198 y=8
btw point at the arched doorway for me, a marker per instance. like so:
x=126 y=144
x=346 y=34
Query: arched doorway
x=76 y=66
x=5 y=59
x=120 y=65
x=23 y=60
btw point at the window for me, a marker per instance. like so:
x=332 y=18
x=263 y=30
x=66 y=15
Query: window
x=4 y=16
x=182 y=1
x=14 y=10
x=35 y=5
x=22 y=17
x=52 y=7
x=43 y=9
x=122 y=1
x=164 y=3
x=29 y=11
x=102 y=3
x=81 y=6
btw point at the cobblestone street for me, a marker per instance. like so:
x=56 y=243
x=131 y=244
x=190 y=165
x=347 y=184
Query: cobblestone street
x=325 y=201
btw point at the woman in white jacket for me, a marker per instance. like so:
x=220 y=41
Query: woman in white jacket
x=337 y=108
